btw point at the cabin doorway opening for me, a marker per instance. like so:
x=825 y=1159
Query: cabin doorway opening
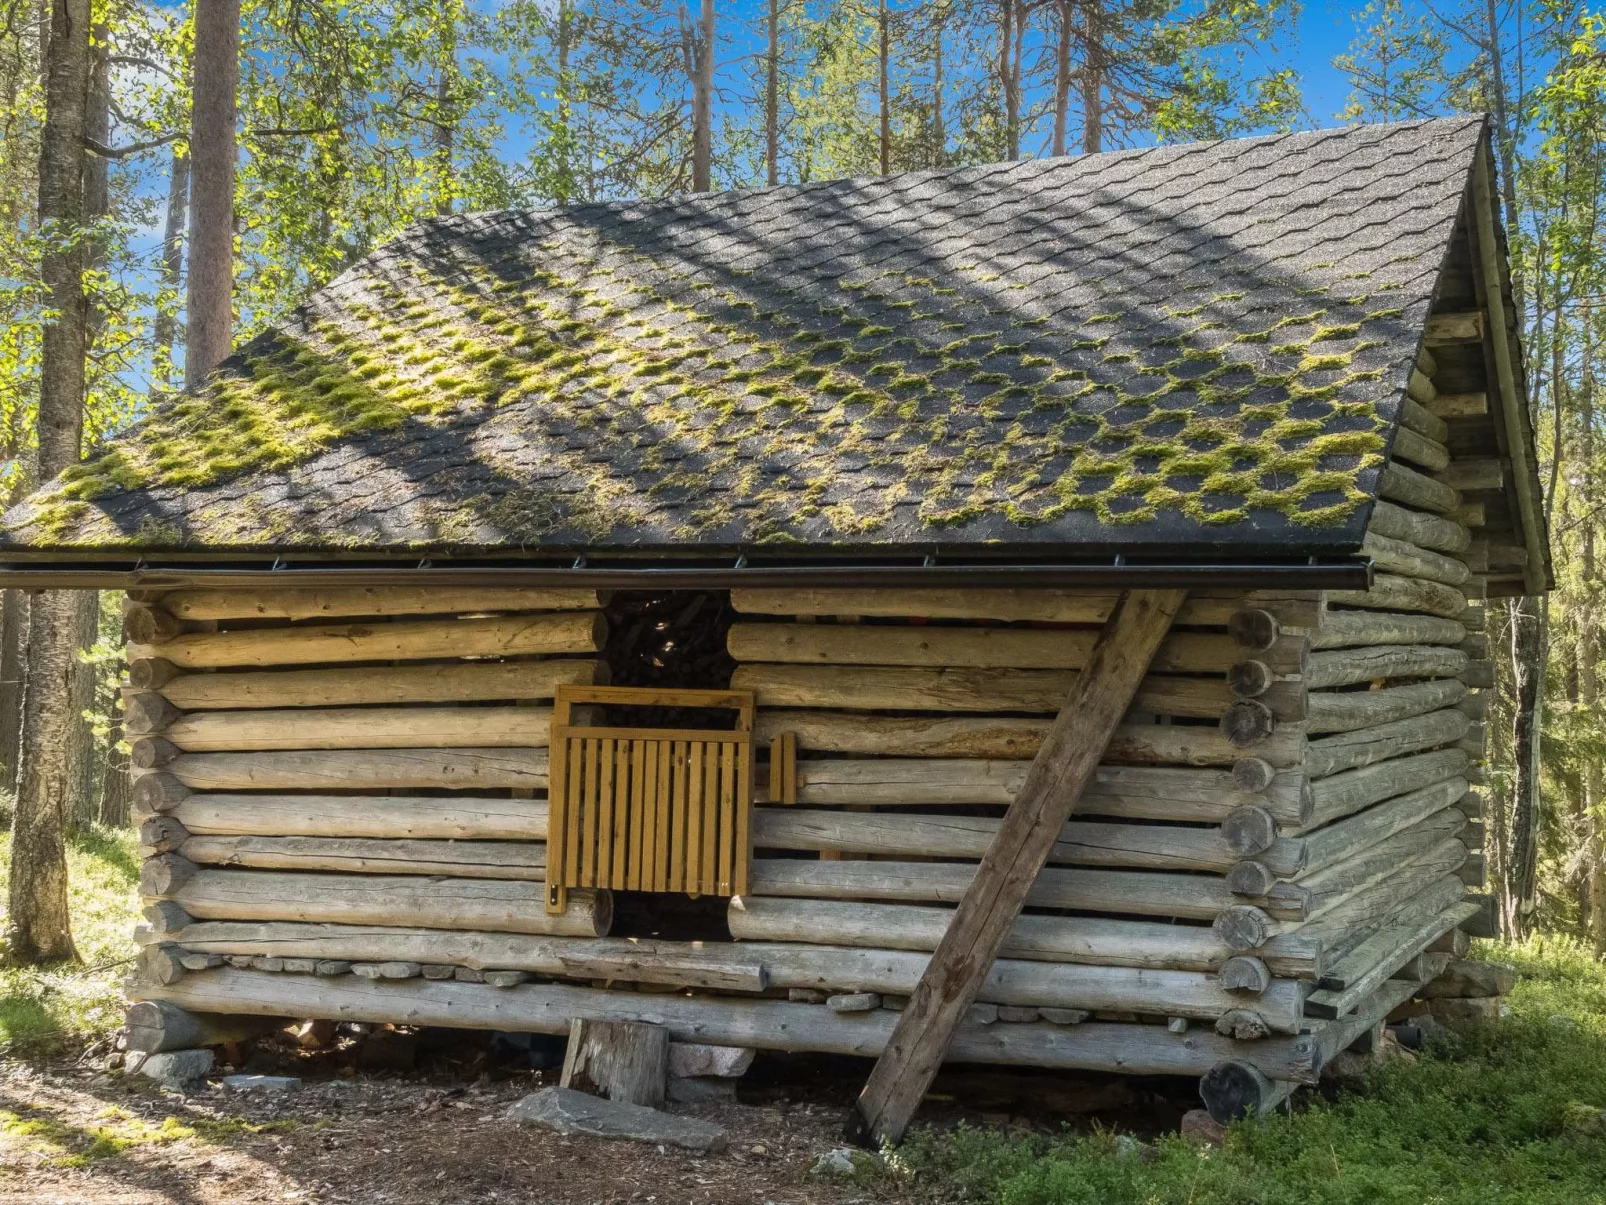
x=669 y=640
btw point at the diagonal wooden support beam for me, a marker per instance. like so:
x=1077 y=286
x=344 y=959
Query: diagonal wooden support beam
x=1101 y=695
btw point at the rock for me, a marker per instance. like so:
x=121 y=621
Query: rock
x=301 y=966
x=1198 y=1126
x=436 y=971
x=806 y=995
x=332 y=967
x=701 y=1089
x=267 y=962
x=261 y=1083
x=507 y=978
x=468 y=975
x=386 y=970
x=1580 y=1118
x=982 y=1014
x=1463 y=978
x=853 y=1002
x=1128 y=1147
x=177 y=1069
x=696 y=1058
x=1016 y=1014
x=1463 y=1011
x=894 y=1004
x=200 y=962
x=845 y=1161
x=566 y=1111
x=1063 y=1016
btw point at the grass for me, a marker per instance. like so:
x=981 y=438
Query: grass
x=60 y=1145
x=43 y=1012
x=1511 y=1112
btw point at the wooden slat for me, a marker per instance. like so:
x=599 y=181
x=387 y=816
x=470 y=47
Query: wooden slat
x=660 y=853
x=638 y=780
x=622 y=758
x=710 y=854
x=605 y=814
x=727 y=817
x=677 y=816
x=696 y=787
x=744 y=816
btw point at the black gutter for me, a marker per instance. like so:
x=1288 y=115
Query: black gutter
x=1352 y=574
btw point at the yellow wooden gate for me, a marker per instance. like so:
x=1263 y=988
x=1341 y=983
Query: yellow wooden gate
x=649 y=809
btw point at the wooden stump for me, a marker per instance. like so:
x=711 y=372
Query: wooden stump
x=620 y=1060
x=155 y=1026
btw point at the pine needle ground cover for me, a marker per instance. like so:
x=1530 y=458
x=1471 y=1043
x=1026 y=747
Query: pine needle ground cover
x=45 y=1011
x=1514 y=1111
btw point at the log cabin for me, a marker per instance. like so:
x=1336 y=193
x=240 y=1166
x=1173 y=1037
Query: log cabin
x=674 y=610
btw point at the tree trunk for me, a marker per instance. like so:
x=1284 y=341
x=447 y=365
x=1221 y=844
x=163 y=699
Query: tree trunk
x=81 y=768
x=116 y=786
x=698 y=51
x=1062 y=76
x=772 y=90
x=38 y=928
x=1010 y=18
x=165 y=325
x=1093 y=77
x=1528 y=659
x=939 y=129
x=13 y=642
x=212 y=117
x=883 y=50
x=37 y=923
x=445 y=134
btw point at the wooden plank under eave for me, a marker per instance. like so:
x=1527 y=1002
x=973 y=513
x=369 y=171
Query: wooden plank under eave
x=1464 y=327
x=1070 y=753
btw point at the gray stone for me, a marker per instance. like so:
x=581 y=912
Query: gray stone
x=806 y=995
x=1016 y=1014
x=301 y=966
x=1063 y=1016
x=701 y=1089
x=507 y=978
x=854 y=1002
x=260 y=1083
x=331 y=967
x=696 y=1058
x=438 y=971
x=177 y=1069
x=566 y=1111
x=468 y=975
x=845 y=1161
x=1465 y=978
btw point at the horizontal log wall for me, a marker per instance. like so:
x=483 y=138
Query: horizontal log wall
x=356 y=777
x=1394 y=676
x=916 y=715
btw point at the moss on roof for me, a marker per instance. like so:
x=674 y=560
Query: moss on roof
x=1147 y=345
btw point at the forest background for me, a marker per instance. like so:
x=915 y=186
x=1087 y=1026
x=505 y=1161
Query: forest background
x=173 y=178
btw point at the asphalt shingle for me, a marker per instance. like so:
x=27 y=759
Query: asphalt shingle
x=1198 y=346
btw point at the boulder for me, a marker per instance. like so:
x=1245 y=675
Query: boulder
x=177 y=1069
x=1462 y=1010
x=1198 y=1126
x=1463 y=978
x=566 y=1111
x=845 y=1161
x=696 y=1058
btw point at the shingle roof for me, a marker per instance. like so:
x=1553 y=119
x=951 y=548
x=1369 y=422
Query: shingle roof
x=1184 y=347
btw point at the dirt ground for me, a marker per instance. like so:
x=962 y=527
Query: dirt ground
x=434 y=1132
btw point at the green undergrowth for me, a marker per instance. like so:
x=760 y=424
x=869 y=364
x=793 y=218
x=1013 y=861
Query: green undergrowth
x=1514 y=1111
x=43 y=1011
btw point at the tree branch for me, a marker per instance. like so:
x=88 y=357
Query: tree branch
x=123 y=152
